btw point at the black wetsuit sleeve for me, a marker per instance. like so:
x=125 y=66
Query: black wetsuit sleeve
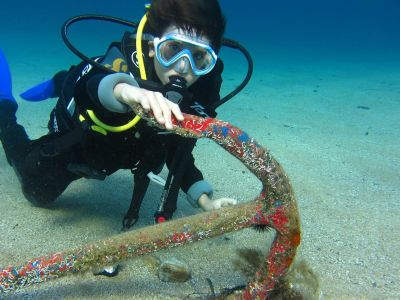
x=86 y=91
x=192 y=174
x=206 y=92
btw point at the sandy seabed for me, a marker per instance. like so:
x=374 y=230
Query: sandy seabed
x=334 y=126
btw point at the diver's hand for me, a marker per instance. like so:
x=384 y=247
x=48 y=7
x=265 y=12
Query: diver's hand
x=207 y=204
x=161 y=107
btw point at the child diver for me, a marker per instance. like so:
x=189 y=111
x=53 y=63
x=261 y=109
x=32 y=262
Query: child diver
x=92 y=129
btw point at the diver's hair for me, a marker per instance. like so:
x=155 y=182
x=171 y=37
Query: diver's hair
x=197 y=16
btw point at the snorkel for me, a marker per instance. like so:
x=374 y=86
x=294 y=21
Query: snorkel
x=143 y=76
x=139 y=42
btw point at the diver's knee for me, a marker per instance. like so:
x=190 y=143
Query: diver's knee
x=38 y=199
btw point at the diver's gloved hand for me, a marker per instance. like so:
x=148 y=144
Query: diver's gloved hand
x=208 y=204
x=108 y=271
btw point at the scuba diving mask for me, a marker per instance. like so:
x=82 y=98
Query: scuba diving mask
x=173 y=47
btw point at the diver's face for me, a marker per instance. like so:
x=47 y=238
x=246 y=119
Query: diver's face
x=181 y=67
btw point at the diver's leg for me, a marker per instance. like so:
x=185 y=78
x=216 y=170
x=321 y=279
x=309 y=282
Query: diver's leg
x=43 y=179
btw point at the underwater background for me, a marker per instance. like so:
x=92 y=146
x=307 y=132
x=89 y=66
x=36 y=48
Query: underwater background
x=324 y=98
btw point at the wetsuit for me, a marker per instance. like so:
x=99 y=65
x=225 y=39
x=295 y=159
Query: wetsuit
x=74 y=149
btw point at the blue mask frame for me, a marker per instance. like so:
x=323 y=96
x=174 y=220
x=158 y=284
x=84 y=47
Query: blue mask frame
x=186 y=52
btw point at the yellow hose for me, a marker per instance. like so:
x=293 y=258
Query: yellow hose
x=143 y=76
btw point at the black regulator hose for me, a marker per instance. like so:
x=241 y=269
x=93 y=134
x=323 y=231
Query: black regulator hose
x=69 y=22
x=235 y=45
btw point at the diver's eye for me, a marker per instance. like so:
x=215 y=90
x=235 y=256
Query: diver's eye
x=174 y=47
x=199 y=55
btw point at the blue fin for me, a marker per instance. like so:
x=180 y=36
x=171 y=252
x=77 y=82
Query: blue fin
x=5 y=80
x=40 y=92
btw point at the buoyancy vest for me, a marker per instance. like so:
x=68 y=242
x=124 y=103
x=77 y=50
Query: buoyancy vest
x=114 y=151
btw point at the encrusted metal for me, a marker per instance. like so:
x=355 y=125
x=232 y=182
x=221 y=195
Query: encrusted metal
x=275 y=207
